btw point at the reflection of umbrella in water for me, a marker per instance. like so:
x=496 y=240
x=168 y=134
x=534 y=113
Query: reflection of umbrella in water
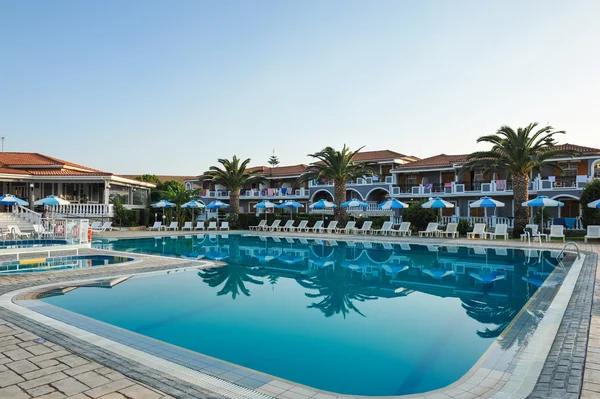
x=217 y=255
x=323 y=262
x=438 y=273
x=264 y=257
x=538 y=280
x=393 y=270
x=352 y=266
x=290 y=259
x=489 y=277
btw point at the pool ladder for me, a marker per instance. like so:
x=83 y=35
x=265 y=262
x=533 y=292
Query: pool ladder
x=565 y=247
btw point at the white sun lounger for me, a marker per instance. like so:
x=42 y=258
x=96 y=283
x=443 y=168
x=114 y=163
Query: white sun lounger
x=365 y=228
x=534 y=233
x=451 y=230
x=172 y=226
x=289 y=224
x=95 y=225
x=430 y=231
x=273 y=225
x=156 y=226
x=301 y=227
x=501 y=230
x=106 y=226
x=259 y=226
x=212 y=226
x=199 y=226
x=317 y=227
x=187 y=226
x=403 y=230
x=224 y=226
x=331 y=227
x=385 y=229
x=15 y=230
x=557 y=231
x=41 y=231
x=592 y=232
x=348 y=229
x=478 y=230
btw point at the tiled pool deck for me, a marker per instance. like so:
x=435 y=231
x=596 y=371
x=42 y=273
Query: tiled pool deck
x=566 y=371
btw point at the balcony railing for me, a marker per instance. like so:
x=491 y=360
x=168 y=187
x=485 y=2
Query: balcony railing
x=275 y=193
x=84 y=210
x=361 y=181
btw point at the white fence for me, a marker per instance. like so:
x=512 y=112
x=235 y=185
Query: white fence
x=48 y=232
x=84 y=210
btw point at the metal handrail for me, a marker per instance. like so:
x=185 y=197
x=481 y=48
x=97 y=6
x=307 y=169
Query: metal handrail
x=565 y=247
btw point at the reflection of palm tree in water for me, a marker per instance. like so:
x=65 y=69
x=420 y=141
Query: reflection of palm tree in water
x=273 y=278
x=489 y=310
x=337 y=288
x=234 y=275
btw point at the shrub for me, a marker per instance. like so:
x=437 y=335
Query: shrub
x=590 y=193
x=419 y=217
x=464 y=226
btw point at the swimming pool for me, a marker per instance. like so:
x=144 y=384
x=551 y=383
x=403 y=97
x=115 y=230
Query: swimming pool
x=38 y=265
x=352 y=318
x=31 y=243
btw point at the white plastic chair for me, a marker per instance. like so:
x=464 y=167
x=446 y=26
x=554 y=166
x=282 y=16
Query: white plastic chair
x=288 y=225
x=404 y=229
x=385 y=229
x=557 y=231
x=478 y=230
x=592 y=232
x=187 y=226
x=224 y=226
x=172 y=226
x=317 y=227
x=273 y=225
x=501 y=230
x=349 y=229
x=365 y=228
x=199 y=226
x=331 y=227
x=156 y=226
x=451 y=230
x=212 y=226
x=301 y=226
x=430 y=231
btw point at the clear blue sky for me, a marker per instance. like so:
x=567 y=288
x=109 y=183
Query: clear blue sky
x=167 y=87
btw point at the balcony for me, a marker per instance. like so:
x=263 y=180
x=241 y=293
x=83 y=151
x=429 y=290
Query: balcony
x=361 y=181
x=267 y=193
x=276 y=193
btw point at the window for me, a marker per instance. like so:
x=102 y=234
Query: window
x=478 y=175
x=570 y=169
x=411 y=180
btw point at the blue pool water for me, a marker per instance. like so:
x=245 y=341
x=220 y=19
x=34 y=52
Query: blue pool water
x=361 y=319
x=58 y=263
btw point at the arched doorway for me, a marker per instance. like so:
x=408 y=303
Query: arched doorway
x=377 y=195
x=352 y=193
x=571 y=209
x=322 y=194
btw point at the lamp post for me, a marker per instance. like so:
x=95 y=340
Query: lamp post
x=31 y=196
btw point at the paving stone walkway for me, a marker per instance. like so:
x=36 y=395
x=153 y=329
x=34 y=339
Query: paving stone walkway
x=33 y=369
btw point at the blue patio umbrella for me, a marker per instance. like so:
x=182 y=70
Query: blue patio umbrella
x=323 y=204
x=217 y=205
x=354 y=203
x=392 y=204
x=542 y=201
x=265 y=204
x=9 y=199
x=486 y=202
x=51 y=200
x=162 y=204
x=291 y=205
x=437 y=203
x=193 y=204
x=594 y=204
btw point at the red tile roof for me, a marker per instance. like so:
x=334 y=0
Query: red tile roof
x=379 y=155
x=164 y=178
x=579 y=148
x=33 y=163
x=436 y=161
x=10 y=171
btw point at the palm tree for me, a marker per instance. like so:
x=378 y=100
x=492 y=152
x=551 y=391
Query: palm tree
x=338 y=166
x=518 y=153
x=233 y=176
x=179 y=195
